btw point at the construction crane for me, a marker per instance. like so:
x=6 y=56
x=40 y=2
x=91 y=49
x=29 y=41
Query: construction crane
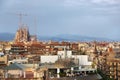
x=20 y=18
x=35 y=27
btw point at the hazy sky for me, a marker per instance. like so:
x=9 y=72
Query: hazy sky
x=97 y=18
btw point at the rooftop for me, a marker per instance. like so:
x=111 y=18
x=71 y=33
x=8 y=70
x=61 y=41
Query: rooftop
x=88 y=77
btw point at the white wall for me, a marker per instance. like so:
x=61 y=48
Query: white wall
x=83 y=59
x=1 y=54
x=18 y=61
x=49 y=59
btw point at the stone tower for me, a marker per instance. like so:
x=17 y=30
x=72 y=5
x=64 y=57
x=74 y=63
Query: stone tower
x=22 y=34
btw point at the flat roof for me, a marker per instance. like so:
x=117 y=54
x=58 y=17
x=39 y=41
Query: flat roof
x=88 y=77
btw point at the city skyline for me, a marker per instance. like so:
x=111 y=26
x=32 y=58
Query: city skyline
x=97 y=18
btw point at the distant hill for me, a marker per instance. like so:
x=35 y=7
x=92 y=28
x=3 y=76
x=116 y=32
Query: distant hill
x=68 y=37
x=6 y=36
x=62 y=37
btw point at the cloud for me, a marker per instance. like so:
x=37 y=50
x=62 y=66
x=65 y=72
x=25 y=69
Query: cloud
x=106 y=1
x=88 y=2
x=72 y=2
